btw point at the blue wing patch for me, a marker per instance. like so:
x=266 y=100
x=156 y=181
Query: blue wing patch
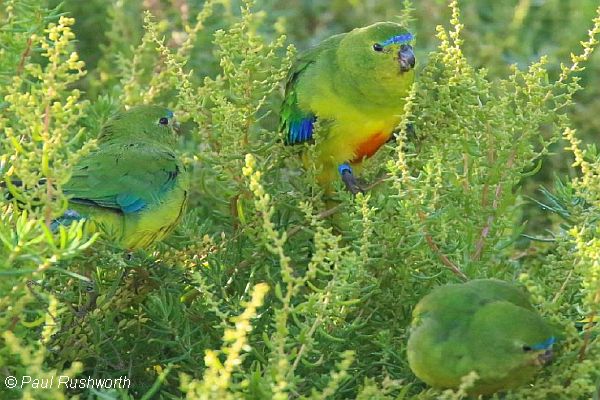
x=301 y=130
x=130 y=203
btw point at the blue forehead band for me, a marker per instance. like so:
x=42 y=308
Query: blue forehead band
x=169 y=114
x=544 y=345
x=407 y=37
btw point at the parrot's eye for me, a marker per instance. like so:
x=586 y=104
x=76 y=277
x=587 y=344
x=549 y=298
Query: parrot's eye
x=377 y=47
x=527 y=348
x=163 y=121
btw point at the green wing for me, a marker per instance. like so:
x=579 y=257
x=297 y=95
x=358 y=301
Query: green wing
x=297 y=124
x=124 y=177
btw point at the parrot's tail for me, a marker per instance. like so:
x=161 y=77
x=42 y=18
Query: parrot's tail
x=11 y=194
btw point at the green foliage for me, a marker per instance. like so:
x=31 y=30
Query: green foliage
x=266 y=290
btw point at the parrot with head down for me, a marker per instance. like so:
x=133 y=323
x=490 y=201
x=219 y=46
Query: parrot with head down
x=133 y=187
x=355 y=84
x=486 y=326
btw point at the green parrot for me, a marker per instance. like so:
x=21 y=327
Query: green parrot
x=133 y=188
x=356 y=85
x=487 y=326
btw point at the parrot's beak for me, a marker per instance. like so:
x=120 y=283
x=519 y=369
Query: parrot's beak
x=176 y=126
x=406 y=58
x=545 y=357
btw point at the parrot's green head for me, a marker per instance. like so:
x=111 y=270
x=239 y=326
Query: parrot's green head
x=146 y=123
x=513 y=342
x=378 y=57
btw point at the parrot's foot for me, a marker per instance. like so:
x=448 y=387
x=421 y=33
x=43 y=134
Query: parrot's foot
x=66 y=219
x=349 y=179
x=410 y=130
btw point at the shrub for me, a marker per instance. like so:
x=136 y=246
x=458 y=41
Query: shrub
x=266 y=289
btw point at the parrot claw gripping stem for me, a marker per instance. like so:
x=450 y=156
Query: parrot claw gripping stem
x=349 y=180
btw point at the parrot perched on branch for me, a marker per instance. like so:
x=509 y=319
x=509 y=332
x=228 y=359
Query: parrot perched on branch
x=486 y=326
x=133 y=188
x=355 y=84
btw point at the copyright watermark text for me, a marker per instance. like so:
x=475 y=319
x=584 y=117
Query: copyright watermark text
x=66 y=382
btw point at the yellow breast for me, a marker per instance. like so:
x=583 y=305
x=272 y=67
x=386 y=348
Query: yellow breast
x=140 y=229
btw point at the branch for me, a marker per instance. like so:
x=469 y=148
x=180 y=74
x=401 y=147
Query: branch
x=322 y=215
x=24 y=56
x=485 y=231
x=443 y=258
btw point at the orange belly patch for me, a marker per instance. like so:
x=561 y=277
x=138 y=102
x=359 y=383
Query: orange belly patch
x=370 y=146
